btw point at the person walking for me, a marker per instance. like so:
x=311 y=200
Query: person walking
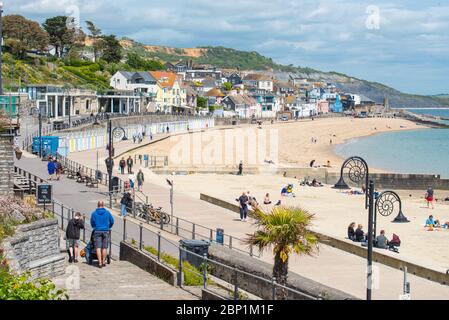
x=429 y=196
x=243 y=205
x=125 y=203
x=51 y=168
x=72 y=235
x=101 y=221
x=168 y=130
x=122 y=165
x=240 y=168
x=140 y=180
x=129 y=163
x=58 y=169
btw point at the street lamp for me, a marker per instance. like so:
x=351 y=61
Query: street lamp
x=119 y=134
x=37 y=112
x=357 y=172
x=1 y=44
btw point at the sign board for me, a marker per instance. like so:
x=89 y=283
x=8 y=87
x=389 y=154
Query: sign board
x=219 y=237
x=44 y=193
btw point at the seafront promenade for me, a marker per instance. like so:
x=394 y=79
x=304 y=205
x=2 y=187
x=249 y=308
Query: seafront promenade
x=332 y=267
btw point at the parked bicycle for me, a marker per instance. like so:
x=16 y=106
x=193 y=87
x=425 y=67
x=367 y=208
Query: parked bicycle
x=149 y=213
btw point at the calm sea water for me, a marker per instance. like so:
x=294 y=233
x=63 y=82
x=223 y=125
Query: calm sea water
x=417 y=151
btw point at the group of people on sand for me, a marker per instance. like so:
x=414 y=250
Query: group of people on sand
x=381 y=241
x=432 y=223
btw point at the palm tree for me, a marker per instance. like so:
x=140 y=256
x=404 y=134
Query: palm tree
x=285 y=230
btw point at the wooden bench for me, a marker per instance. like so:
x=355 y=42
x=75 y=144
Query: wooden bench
x=71 y=174
x=82 y=178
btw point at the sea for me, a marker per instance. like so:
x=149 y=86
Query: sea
x=416 y=151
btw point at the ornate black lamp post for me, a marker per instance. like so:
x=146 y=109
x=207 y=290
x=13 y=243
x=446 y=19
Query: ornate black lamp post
x=358 y=171
x=386 y=203
x=119 y=134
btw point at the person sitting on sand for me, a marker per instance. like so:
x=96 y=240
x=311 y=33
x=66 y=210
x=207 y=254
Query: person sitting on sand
x=287 y=191
x=316 y=183
x=359 y=234
x=431 y=222
x=351 y=231
x=267 y=199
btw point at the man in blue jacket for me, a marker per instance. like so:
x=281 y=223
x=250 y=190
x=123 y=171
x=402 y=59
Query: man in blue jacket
x=101 y=221
x=51 y=167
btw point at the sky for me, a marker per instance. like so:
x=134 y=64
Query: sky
x=400 y=43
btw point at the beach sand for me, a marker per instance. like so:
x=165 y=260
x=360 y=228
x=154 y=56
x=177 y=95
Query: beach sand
x=287 y=144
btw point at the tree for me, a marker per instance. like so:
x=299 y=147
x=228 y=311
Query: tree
x=95 y=34
x=63 y=37
x=22 y=35
x=201 y=103
x=137 y=62
x=227 y=86
x=284 y=230
x=111 y=48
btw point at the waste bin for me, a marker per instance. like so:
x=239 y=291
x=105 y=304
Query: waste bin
x=98 y=175
x=199 y=247
x=114 y=183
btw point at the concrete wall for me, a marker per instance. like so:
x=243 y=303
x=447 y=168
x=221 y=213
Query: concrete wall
x=6 y=164
x=260 y=288
x=148 y=263
x=35 y=248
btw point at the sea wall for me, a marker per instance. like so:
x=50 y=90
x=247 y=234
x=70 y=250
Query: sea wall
x=35 y=248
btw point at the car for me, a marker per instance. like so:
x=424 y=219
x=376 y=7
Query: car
x=284 y=118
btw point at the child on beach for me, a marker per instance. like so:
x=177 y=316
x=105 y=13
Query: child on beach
x=429 y=196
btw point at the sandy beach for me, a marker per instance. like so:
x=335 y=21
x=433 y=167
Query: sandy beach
x=286 y=144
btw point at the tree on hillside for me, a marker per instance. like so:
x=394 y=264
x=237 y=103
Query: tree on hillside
x=286 y=231
x=62 y=36
x=111 y=48
x=95 y=34
x=22 y=34
x=136 y=62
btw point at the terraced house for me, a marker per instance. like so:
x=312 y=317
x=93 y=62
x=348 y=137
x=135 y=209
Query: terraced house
x=171 y=96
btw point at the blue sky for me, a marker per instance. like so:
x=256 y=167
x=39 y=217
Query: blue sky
x=404 y=44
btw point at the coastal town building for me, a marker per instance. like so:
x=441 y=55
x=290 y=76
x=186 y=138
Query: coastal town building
x=171 y=96
x=258 y=81
x=139 y=81
x=241 y=105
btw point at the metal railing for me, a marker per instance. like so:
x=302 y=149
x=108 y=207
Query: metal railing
x=27 y=178
x=181 y=227
x=240 y=281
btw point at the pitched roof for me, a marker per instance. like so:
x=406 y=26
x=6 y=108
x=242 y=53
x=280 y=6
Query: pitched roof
x=290 y=99
x=164 y=79
x=257 y=77
x=215 y=92
x=241 y=99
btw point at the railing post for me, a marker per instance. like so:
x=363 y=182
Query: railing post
x=211 y=235
x=52 y=204
x=124 y=229
x=159 y=246
x=180 y=268
x=204 y=270
x=84 y=229
x=230 y=242
x=273 y=284
x=193 y=231
x=177 y=226
x=62 y=217
x=140 y=235
x=236 y=287
x=251 y=250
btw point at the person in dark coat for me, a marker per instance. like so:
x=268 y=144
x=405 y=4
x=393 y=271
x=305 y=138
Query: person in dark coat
x=129 y=163
x=122 y=165
x=359 y=234
x=351 y=231
x=125 y=204
x=73 y=236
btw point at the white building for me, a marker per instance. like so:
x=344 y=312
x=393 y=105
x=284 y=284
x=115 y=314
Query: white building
x=139 y=81
x=258 y=81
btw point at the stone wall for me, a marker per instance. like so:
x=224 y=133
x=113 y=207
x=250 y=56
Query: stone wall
x=263 y=289
x=35 y=248
x=6 y=164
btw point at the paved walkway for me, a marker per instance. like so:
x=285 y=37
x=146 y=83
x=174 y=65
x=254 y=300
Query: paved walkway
x=332 y=267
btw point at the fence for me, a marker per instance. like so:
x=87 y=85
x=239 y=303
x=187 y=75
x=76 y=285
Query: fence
x=173 y=254
x=178 y=226
x=25 y=182
x=164 y=249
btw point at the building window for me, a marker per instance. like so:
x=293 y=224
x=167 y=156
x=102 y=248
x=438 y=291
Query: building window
x=87 y=104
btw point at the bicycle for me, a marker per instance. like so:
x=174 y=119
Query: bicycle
x=149 y=213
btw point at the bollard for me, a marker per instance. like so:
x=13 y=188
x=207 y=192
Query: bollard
x=159 y=246
x=273 y=283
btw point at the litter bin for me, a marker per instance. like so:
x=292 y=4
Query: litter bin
x=199 y=247
x=98 y=175
x=114 y=183
x=234 y=122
